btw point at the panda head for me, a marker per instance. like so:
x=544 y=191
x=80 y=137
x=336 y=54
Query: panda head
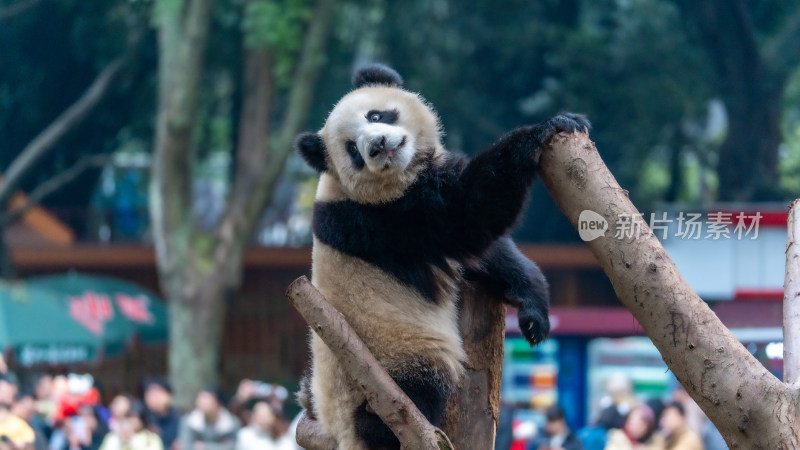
x=376 y=140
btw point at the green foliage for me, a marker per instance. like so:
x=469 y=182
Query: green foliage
x=50 y=54
x=789 y=155
x=277 y=25
x=633 y=66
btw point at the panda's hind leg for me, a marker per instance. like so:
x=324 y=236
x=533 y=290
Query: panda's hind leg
x=429 y=391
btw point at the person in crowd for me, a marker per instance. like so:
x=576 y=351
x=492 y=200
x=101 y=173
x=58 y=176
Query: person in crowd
x=162 y=418
x=505 y=434
x=83 y=431
x=130 y=433
x=210 y=426
x=15 y=433
x=657 y=406
x=6 y=373
x=267 y=430
x=8 y=389
x=24 y=407
x=695 y=417
x=250 y=390
x=119 y=408
x=42 y=386
x=677 y=434
x=557 y=435
x=638 y=433
x=593 y=437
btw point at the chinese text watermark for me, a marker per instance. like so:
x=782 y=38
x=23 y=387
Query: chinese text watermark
x=712 y=225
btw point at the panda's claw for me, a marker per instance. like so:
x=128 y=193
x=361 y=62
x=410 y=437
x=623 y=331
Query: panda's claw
x=534 y=323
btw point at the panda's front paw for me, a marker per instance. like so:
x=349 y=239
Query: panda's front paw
x=534 y=322
x=570 y=123
x=566 y=123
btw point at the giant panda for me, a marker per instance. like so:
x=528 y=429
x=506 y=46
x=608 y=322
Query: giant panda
x=397 y=223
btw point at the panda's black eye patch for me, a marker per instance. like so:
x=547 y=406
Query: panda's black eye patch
x=388 y=117
x=355 y=156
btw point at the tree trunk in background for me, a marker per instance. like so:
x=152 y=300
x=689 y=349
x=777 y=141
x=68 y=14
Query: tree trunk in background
x=196 y=319
x=470 y=419
x=182 y=35
x=198 y=268
x=748 y=159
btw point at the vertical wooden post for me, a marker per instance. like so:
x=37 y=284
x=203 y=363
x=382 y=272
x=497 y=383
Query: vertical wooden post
x=470 y=419
x=791 y=300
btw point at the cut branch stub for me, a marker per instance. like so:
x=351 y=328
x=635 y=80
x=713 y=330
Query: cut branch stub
x=388 y=401
x=311 y=436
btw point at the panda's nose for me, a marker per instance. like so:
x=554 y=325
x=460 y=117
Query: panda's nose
x=377 y=146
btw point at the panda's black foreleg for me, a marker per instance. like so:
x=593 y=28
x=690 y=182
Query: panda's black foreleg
x=497 y=181
x=425 y=387
x=507 y=272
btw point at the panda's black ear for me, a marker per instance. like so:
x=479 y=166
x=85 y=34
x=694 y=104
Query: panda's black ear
x=312 y=148
x=377 y=74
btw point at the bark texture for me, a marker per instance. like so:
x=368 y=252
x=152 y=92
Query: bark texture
x=791 y=300
x=470 y=419
x=751 y=408
x=385 y=397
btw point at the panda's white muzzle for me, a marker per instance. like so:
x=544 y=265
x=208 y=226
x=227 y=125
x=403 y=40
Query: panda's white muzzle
x=385 y=147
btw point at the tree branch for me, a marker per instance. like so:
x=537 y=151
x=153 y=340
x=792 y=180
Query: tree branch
x=17 y=9
x=68 y=120
x=749 y=406
x=53 y=184
x=388 y=401
x=791 y=300
x=304 y=80
x=261 y=163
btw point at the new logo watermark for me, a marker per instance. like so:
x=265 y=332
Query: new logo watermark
x=715 y=225
x=591 y=225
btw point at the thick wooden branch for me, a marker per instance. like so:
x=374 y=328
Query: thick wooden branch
x=791 y=300
x=388 y=401
x=751 y=408
x=65 y=122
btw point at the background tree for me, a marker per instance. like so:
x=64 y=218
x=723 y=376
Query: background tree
x=44 y=110
x=200 y=267
x=755 y=49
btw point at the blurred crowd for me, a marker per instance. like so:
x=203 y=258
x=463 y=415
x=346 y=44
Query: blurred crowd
x=623 y=423
x=67 y=412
